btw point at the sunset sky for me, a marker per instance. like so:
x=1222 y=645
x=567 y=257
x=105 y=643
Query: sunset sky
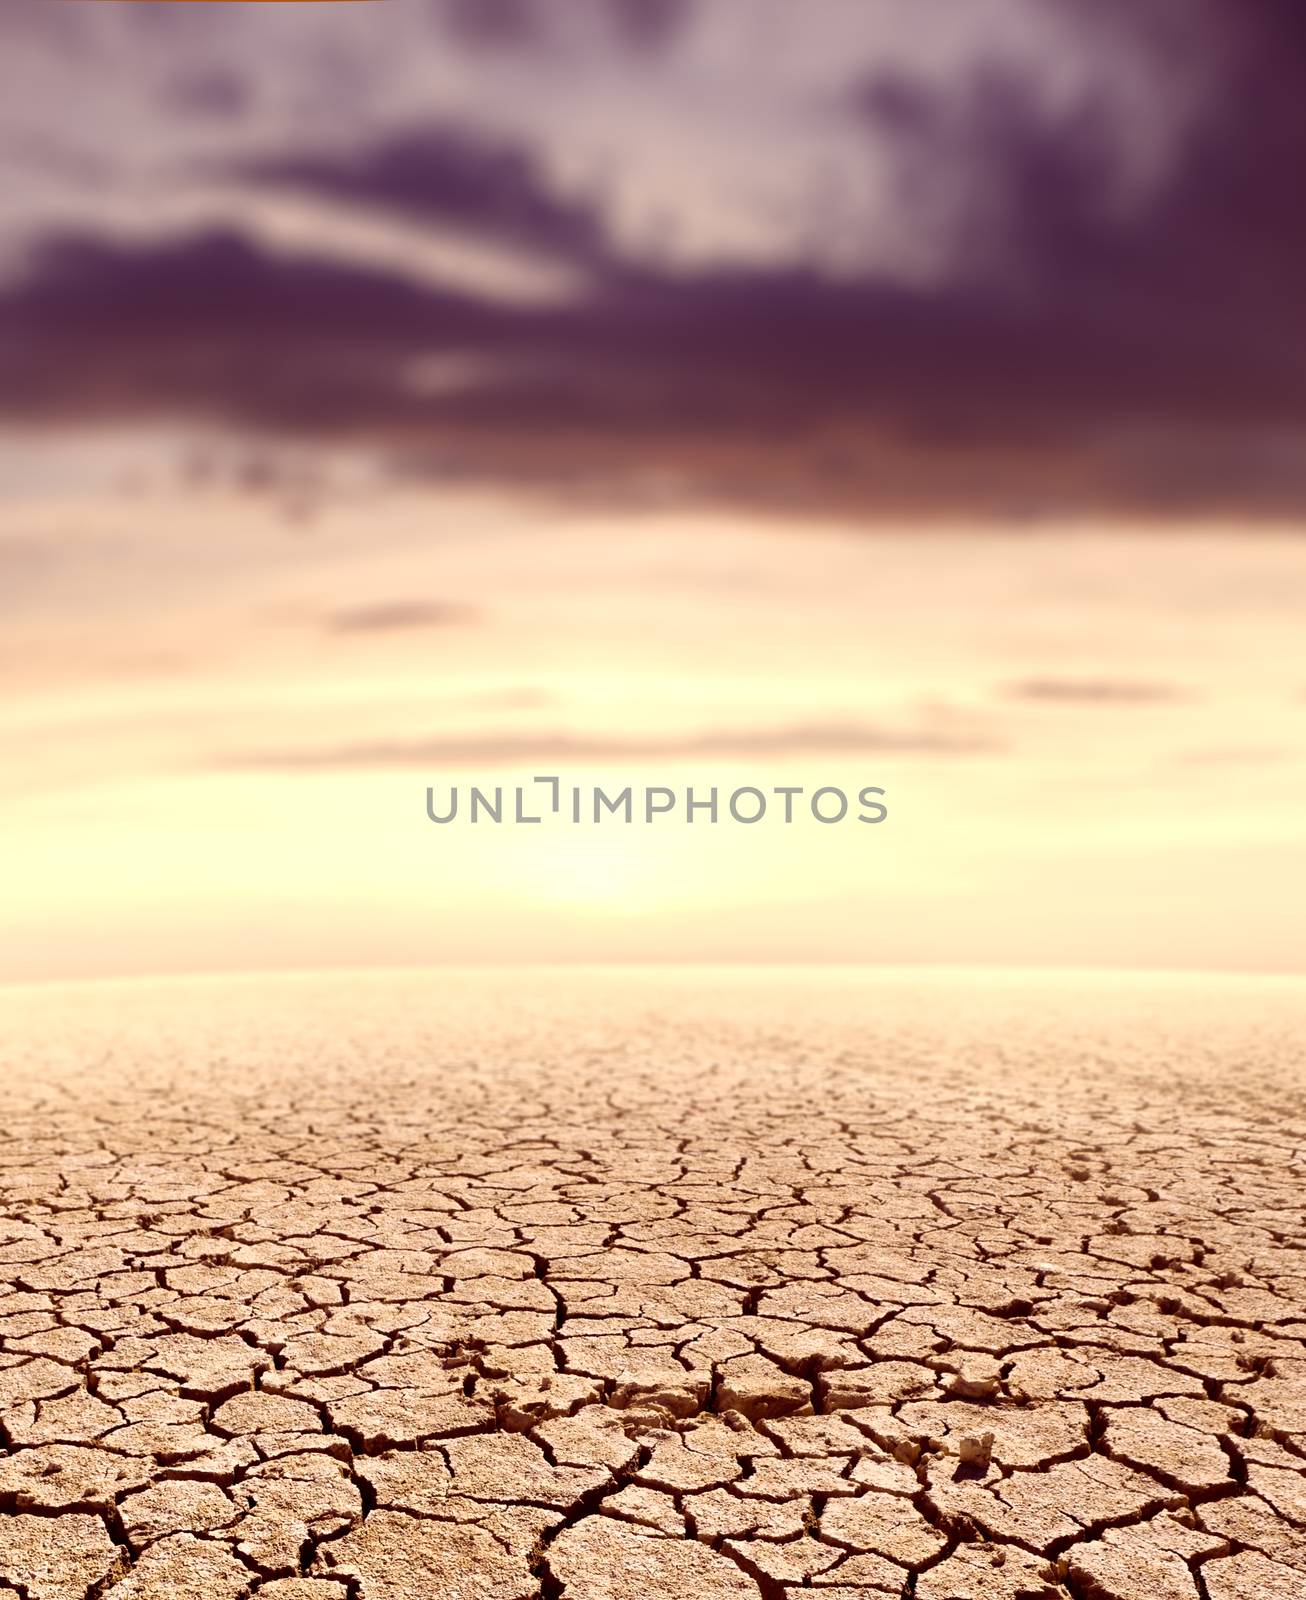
x=653 y=392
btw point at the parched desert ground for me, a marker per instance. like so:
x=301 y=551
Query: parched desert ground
x=653 y=1287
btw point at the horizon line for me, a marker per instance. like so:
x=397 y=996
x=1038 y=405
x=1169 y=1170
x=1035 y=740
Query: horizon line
x=908 y=969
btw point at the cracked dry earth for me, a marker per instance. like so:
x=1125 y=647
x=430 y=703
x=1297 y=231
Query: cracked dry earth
x=669 y=1287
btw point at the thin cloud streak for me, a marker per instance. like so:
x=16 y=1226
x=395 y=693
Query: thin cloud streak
x=399 y=616
x=1097 y=691
x=506 y=750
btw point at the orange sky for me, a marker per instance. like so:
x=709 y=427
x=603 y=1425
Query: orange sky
x=219 y=723
x=860 y=393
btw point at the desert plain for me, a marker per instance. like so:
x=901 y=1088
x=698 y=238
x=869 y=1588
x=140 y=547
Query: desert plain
x=663 y=1285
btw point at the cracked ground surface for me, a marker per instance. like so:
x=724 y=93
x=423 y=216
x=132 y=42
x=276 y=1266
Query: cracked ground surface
x=612 y=1287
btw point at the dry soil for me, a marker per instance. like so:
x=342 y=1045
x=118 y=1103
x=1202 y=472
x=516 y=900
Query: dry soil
x=653 y=1287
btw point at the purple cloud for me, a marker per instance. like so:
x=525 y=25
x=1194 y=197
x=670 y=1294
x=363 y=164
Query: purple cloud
x=1082 y=350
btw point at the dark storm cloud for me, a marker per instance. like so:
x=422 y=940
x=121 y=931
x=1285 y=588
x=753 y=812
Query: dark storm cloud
x=1080 y=354
x=448 y=175
x=212 y=326
x=1208 y=272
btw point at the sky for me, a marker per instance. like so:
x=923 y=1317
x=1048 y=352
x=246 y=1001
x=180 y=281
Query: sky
x=656 y=391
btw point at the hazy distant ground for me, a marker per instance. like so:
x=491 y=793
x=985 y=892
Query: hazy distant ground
x=660 y=1284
